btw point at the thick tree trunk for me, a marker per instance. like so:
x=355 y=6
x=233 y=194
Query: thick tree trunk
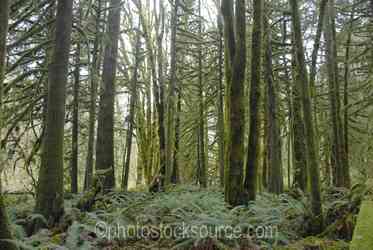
x=49 y=201
x=275 y=180
x=253 y=144
x=105 y=129
x=235 y=44
x=313 y=168
x=299 y=144
x=95 y=69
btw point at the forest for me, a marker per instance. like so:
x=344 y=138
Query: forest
x=186 y=124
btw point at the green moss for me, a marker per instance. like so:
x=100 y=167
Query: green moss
x=363 y=237
x=316 y=243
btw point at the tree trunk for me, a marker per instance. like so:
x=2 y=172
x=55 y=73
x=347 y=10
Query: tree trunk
x=95 y=69
x=5 y=232
x=172 y=93
x=49 y=201
x=75 y=125
x=313 y=168
x=220 y=122
x=299 y=144
x=175 y=175
x=253 y=144
x=105 y=129
x=275 y=182
x=132 y=113
x=202 y=177
x=334 y=98
x=235 y=44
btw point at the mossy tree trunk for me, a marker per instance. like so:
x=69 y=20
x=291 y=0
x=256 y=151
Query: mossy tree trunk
x=235 y=40
x=340 y=166
x=75 y=117
x=253 y=144
x=49 y=200
x=302 y=82
x=172 y=93
x=95 y=72
x=5 y=232
x=299 y=144
x=105 y=129
x=220 y=104
x=275 y=178
x=131 y=116
x=202 y=175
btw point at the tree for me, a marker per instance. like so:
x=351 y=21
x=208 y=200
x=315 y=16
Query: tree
x=302 y=85
x=5 y=233
x=235 y=47
x=202 y=171
x=131 y=117
x=75 y=118
x=49 y=200
x=172 y=92
x=105 y=128
x=275 y=178
x=253 y=144
x=95 y=70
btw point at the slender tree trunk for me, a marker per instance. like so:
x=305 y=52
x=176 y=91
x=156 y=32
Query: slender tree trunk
x=220 y=123
x=132 y=113
x=235 y=44
x=49 y=200
x=172 y=93
x=313 y=168
x=315 y=51
x=161 y=104
x=175 y=175
x=346 y=101
x=5 y=232
x=334 y=98
x=253 y=144
x=275 y=184
x=105 y=129
x=202 y=178
x=95 y=69
x=75 y=125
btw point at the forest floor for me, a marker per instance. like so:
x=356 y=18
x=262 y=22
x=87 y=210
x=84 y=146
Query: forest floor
x=186 y=217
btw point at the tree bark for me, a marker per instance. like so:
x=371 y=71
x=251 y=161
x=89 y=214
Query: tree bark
x=172 y=93
x=5 y=233
x=50 y=201
x=253 y=144
x=105 y=129
x=275 y=182
x=313 y=168
x=95 y=69
x=132 y=113
x=75 y=123
x=235 y=44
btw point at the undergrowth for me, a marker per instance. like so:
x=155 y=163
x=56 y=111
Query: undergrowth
x=186 y=217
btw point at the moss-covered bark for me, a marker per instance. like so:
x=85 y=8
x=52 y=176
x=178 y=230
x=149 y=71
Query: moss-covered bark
x=235 y=44
x=275 y=178
x=255 y=78
x=105 y=128
x=302 y=82
x=49 y=201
